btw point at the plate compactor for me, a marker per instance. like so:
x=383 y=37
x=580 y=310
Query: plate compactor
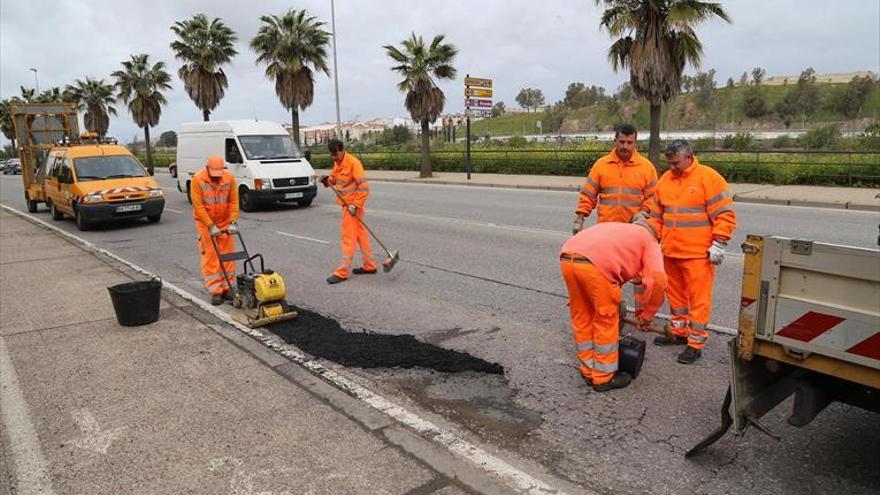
x=259 y=294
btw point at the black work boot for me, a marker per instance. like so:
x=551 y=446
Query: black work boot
x=361 y=271
x=689 y=355
x=588 y=380
x=620 y=380
x=333 y=279
x=665 y=340
x=216 y=299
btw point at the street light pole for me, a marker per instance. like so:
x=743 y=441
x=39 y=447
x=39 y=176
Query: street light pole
x=335 y=70
x=36 y=81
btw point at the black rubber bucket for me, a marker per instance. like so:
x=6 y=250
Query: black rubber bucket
x=631 y=355
x=136 y=303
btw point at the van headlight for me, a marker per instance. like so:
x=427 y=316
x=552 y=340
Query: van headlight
x=312 y=180
x=155 y=192
x=262 y=184
x=94 y=197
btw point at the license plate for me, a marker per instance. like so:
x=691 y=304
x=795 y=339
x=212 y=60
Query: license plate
x=125 y=208
x=293 y=195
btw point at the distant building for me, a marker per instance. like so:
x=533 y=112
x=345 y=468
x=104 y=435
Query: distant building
x=354 y=130
x=837 y=78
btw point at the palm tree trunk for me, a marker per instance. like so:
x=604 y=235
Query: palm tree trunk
x=149 y=150
x=206 y=115
x=654 y=144
x=294 y=124
x=425 y=170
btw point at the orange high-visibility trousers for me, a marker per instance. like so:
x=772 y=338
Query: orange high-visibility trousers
x=689 y=292
x=354 y=233
x=593 y=302
x=211 y=263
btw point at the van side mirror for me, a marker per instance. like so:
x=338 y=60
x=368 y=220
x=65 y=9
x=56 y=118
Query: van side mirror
x=308 y=155
x=65 y=177
x=234 y=157
x=151 y=171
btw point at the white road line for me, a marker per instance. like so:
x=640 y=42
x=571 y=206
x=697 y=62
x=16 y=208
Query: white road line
x=514 y=478
x=30 y=466
x=311 y=239
x=172 y=210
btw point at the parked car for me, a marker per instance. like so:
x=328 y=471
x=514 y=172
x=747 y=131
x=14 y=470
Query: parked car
x=12 y=167
x=172 y=169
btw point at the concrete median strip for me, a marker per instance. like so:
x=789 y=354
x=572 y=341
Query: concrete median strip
x=34 y=465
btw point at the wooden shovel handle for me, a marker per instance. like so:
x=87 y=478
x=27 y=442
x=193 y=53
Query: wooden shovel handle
x=651 y=328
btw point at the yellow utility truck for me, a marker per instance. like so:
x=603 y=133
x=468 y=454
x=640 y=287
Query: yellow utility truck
x=90 y=180
x=809 y=326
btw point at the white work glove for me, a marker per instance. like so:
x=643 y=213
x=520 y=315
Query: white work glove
x=716 y=252
x=352 y=210
x=215 y=231
x=578 y=224
x=232 y=228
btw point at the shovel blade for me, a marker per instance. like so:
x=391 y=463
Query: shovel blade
x=389 y=263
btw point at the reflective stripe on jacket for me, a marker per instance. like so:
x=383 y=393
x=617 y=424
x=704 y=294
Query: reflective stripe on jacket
x=621 y=189
x=349 y=178
x=214 y=203
x=690 y=209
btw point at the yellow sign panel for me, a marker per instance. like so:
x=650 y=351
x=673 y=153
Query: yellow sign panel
x=479 y=93
x=477 y=81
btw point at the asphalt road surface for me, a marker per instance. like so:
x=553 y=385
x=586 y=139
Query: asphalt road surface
x=479 y=274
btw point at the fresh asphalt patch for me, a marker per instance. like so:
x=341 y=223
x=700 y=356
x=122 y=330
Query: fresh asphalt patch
x=323 y=337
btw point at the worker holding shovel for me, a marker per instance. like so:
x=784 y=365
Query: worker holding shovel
x=352 y=189
x=595 y=263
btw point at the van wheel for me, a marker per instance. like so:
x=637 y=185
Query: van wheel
x=188 y=197
x=154 y=218
x=56 y=215
x=246 y=200
x=31 y=204
x=81 y=222
x=306 y=202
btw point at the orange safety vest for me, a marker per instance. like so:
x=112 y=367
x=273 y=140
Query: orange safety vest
x=620 y=188
x=690 y=209
x=350 y=180
x=214 y=203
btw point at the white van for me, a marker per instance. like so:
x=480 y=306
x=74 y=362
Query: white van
x=267 y=165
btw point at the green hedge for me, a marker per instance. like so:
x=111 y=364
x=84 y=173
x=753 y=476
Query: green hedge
x=159 y=161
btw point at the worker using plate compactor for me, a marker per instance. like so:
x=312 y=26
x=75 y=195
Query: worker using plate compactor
x=595 y=263
x=352 y=189
x=619 y=184
x=215 y=209
x=692 y=214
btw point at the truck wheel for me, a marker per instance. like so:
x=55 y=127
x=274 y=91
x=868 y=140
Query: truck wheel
x=246 y=200
x=56 y=215
x=154 y=218
x=31 y=204
x=81 y=222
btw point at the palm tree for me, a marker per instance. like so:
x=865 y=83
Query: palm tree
x=6 y=126
x=50 y=95
x=293 y=47
x=203 y=47
x=95 y=97
x=140 y=86
x=655 y=39
x=419 y=65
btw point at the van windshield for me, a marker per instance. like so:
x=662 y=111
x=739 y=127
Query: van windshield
x=271 y=147
x=107 y=167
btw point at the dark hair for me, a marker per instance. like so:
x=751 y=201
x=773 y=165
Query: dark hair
x=335 y=145
x=679 y=146
x=626 y=129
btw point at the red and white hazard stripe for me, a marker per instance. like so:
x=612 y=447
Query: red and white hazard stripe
x=851 y=336
x=117 y=190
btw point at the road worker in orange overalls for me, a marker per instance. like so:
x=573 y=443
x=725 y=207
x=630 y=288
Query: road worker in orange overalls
x=692 y=214
x=349 y=180
x=595 y=263
x=620 y=183
x=214 y=199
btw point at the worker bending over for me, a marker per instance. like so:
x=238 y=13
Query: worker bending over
x=595 y=263
x=692 y=214
x=352 y=189
x=620 y=183
x=215 y=209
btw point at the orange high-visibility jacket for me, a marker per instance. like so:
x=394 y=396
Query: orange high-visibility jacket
x=690 y=209
x=621 y=189
x=622 y=252
x=214 y=203
x=349 y=178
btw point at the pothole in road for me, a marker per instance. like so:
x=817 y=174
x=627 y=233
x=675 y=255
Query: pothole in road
x=466 y=389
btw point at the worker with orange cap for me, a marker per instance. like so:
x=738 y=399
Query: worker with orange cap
x=595 y=263
x=214 y=199
x=352 y=189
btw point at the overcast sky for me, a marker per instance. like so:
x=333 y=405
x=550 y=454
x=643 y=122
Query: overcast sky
x=518 y=43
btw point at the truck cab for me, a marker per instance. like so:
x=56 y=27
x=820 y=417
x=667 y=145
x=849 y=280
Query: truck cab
x=98 y=183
